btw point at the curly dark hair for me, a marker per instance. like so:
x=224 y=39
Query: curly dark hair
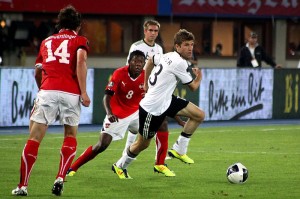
x=136 y=53
x=68 y=18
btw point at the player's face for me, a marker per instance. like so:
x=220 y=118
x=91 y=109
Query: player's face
x=151 y=33
x=185 y=49
x=136 y=65
x=252 y=40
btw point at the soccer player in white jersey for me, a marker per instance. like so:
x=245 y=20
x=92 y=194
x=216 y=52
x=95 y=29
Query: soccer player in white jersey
x=148 y=45
x=150 y=48
x=161 y=75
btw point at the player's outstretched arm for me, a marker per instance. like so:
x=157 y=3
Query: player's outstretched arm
x=106 y=103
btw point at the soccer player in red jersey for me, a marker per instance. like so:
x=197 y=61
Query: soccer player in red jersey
x=121 y=102
x=60 y=75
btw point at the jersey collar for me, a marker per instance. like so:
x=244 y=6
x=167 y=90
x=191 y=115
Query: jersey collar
x=148 y=44
x=68 y=30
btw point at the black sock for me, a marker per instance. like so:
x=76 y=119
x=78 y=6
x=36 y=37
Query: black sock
x=186 y=135
x=129 y=153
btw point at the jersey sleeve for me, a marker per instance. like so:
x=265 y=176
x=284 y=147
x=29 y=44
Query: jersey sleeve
x=83 y=43
x=113 y=83
x=181 y=71
x=39 y=60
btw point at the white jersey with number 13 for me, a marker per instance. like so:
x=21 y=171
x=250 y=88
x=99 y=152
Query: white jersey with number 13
x=169 y=68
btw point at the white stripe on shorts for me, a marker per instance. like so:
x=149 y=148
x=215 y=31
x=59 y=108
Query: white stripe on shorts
x=147 y=125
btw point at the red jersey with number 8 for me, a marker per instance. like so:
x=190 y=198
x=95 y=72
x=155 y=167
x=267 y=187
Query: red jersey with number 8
x=58 y=58
x=127 y=92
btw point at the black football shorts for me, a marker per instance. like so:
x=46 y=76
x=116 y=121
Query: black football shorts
x=149 y=123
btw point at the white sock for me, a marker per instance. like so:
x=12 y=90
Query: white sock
x=130 y=139
x=124 y=161
x=181 y=145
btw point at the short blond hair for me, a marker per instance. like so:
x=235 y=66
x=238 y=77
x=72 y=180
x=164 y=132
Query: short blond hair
x=151 y=22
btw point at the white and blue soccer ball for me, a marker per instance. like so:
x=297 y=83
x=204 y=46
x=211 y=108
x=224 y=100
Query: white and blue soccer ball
x=237 y=173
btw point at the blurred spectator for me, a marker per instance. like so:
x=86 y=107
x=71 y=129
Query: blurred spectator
x=292 y=49
x=252 y=54
x=218 y=50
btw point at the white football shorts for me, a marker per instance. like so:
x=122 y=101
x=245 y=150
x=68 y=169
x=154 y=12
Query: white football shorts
x=118 y=129
x=50 y=106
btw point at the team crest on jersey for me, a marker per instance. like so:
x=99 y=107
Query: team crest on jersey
x=141 y=86
x=110 y=84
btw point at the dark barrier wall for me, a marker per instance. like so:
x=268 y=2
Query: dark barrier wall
x=101 y=78
x=286 y=94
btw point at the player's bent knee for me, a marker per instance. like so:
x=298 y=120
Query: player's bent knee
x=199 y=117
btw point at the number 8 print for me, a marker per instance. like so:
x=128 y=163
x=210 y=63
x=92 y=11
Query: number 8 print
x=129 y=94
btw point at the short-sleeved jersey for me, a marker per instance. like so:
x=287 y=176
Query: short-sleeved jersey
x=169 y=68
x=149 y=51
x=127 y=92
x=58 y=59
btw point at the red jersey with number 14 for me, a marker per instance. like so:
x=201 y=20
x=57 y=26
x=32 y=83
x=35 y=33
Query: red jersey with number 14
x=58 y=57
x=128 y=92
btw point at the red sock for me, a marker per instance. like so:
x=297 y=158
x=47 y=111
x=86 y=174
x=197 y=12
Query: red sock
x=28 y=158
x=86 y=156
x=161 y=146
x=67 y=154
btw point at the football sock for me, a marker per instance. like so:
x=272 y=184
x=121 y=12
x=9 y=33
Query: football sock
x=28 y=159
x=185 y=135
x=67 y=154
x=161 y=147
x=124 y=161
x=86 y=156
x=181 y=145
x=130 y=139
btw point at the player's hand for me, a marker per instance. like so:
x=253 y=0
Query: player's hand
x=197 y=72
x=145 y=87
x=85 y=100
x=180 y=121
x=112 y=118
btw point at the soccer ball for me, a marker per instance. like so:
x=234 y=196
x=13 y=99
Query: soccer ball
x=237 y=173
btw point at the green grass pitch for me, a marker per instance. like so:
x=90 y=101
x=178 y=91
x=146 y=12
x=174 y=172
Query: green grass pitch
x=271 y=153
